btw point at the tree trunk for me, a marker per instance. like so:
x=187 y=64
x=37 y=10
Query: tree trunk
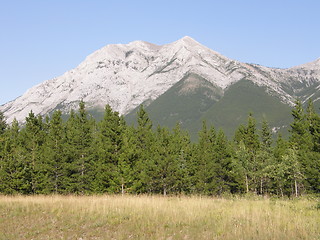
x=247 y=183
x=122 y=189
x=296 y=187
x=56 y=181
x=164 y=191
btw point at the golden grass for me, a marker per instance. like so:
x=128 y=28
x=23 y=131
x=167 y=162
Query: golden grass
x=155 y=217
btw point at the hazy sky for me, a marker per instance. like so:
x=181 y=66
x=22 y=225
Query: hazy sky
x=42 y=39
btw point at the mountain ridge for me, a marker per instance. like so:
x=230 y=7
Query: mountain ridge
x=127 y=75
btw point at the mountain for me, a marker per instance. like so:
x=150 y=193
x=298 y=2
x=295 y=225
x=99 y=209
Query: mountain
x=182 y=81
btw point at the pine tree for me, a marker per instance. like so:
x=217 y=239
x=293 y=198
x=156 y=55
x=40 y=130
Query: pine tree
x=128 y=162
x=167 y=165
x=300 y=138
x=160 y=167
x=109 y=144
x=182 y=146
x=314 y=126
x=32 y=139
x=3 y=127
x=14 y=175
x=79 y=141
x=205 y=167
x=264 y=158
x=144 y=140
x=266 y=136
x=226 y=181
x=312 y=158
x=55 y=156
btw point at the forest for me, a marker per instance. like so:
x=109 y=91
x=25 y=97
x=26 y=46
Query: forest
x=80 y=155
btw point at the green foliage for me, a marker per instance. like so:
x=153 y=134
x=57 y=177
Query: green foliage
x=300 y=135
x=79 y=151
x=82 y=156
x=54 y=154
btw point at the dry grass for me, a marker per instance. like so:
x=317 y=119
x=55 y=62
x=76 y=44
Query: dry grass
x=154 y=217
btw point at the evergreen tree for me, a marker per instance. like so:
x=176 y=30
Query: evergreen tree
x=3 y=127
x=226 y=180
x=312 y=163
x=204 y=178
x=181 y=142
x=162 y=166
x=167 y=167
x=11 y=163
x=143 y=143
x=109 y=145
x=314 y=126
x=264 y=158
x=79 y=141
x=128 y=163
x=300 y=138
x=55 y=156
x=266 y=136
x=33 y=136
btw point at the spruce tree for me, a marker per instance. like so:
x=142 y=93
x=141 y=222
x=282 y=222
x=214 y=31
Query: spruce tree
x=167 y=165
x=33 y=136
x=225 y=178
x=312 y=163
x=144 y=140
x=266 y=136
x=79 y=144
x=14 y=175
x=109 y=144
x=205 y=165
x=264 y=158
x=3 y=127
x=314 y=126
x=182 y=145
x=300 y=138
x=128 y=162
x=55 y=156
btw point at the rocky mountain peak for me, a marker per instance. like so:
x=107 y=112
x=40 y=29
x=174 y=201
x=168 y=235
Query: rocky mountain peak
x=127 y=75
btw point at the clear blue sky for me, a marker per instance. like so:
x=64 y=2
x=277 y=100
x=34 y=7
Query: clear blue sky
x=42 y=39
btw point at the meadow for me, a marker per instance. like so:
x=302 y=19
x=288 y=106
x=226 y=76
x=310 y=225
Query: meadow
x=157 y=217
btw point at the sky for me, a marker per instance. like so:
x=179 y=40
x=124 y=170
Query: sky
x=40 y=40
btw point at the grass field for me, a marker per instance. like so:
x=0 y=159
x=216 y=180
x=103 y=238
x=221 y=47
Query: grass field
x=156 y=217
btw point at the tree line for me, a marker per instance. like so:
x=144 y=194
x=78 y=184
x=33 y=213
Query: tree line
x=85 y=156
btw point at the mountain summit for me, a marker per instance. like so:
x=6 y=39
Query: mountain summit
x=127 y=75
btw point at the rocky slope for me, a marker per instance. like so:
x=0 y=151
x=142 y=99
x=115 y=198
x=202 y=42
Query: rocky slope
x=126 y=75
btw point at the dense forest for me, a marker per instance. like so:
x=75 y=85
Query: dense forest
x=83 y=156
